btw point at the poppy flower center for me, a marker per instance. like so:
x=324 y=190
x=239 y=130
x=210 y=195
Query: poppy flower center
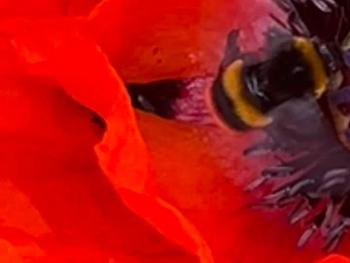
x=312 y=174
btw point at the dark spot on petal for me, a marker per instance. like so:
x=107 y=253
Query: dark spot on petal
x=96 y=119
x=155 y=50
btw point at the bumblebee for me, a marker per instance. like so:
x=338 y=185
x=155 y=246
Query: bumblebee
x=247 y=90
x=296 y=64
x=292 y=93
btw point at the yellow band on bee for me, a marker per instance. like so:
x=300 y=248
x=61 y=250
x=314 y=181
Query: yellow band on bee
x=233 y=87
x=313 y=59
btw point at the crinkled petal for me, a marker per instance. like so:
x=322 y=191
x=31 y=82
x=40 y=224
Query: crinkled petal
x=201 y=171
x=122 y=153
x=54 y=197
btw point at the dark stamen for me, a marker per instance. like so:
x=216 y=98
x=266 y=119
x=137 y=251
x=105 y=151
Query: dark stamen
x=318 y=177
x=324 y=19
x=156 y=97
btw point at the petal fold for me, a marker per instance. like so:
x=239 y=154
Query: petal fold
x=81 y=68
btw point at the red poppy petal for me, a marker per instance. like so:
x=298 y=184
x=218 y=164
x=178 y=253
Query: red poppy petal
x=122 y=151
x=203 y=179
x=335 y=259
x=31 y=8
x=81 y=7
x=53 y=193
x=8 y=253
x=47 y=153
x=136 y=35
x=45 y=8
x=113 y=105
x=157 y=39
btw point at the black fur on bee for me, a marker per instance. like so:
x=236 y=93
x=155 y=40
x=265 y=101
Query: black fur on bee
x=286 y=94
x=292 y=67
